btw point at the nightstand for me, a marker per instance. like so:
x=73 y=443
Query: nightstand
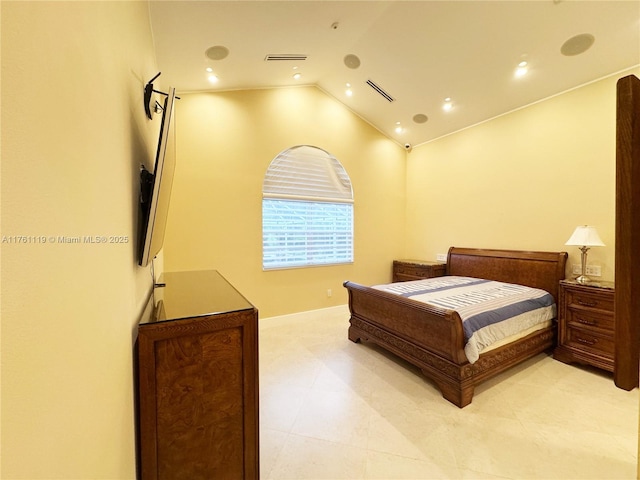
x=586 y=324
x=404 y=270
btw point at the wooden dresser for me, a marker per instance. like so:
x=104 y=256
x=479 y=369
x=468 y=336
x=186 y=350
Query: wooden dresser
x=586 y=324
x=198 y=381
x=404 y=270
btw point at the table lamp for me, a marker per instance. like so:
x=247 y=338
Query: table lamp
x=585 y=236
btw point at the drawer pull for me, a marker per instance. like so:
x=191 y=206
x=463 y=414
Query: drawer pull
x=587 y=322
x=587 y=303
x=587 y=342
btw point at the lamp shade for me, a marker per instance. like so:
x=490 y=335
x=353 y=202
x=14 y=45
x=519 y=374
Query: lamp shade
x=585 y=236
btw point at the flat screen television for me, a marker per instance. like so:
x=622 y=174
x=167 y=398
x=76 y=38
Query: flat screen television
x=155 y=188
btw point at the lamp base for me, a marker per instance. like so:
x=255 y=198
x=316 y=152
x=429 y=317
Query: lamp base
x=583 y=265
x=583 y=279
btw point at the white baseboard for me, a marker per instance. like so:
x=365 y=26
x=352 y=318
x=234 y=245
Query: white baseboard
x=339 y=310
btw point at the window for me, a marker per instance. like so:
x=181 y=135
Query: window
x=307 y=210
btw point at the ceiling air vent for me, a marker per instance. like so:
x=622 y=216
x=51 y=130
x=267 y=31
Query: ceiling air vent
x=284 y=56
x=378 y=89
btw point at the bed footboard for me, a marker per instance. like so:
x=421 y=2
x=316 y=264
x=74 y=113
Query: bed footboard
x=445 y=374
x=428 y=337
x=434 y=330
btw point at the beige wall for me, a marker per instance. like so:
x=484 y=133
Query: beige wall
x=73 y=135
x=225 y=142
x=520 y=181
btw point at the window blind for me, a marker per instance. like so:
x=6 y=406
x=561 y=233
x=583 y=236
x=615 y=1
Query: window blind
x=306 y=171
x=307 y=210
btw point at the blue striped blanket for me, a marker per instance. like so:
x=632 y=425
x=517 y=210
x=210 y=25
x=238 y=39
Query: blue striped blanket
x=490 y=310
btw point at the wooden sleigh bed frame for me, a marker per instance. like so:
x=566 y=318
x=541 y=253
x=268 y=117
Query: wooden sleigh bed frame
x=432 y=338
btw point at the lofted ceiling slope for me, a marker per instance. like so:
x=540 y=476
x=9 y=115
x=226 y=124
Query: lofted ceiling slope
x=418 y=53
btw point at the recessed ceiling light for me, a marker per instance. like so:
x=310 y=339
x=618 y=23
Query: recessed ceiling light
x=213 y=78
x=209 y=69
x=297 y=75
x=217 y=53
x=577 y=45
x=448 y=105
x=348 y=92
x=522 y=69
x=399 y=128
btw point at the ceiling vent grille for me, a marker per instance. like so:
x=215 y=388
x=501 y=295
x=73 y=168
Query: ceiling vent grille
x=285 y=56
x=379 y=89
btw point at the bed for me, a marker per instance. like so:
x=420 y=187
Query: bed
x=433 y=339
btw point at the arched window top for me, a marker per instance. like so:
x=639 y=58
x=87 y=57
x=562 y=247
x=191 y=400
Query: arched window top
x=307 y=210
x=307 y=172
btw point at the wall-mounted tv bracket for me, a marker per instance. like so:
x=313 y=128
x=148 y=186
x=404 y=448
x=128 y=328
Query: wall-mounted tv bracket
x=148 y=91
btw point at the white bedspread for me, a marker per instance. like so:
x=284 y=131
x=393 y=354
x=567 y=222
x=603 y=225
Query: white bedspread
x=490 y=311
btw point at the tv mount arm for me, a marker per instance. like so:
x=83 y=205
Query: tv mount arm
x=148 y=91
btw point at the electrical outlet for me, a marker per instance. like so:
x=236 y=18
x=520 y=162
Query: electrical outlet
x=590 y=270
x=441 y=257
x=593 y=270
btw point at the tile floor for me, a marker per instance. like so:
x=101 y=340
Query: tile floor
x=332 y=409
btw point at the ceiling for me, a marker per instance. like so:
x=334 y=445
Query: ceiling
x=417 y=52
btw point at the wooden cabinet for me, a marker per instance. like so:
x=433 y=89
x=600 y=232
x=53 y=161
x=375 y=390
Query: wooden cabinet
x=586 y=324
x=198 y=381
x=404 y=270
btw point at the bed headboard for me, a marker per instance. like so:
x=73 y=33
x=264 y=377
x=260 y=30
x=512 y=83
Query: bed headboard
x=535 y=269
